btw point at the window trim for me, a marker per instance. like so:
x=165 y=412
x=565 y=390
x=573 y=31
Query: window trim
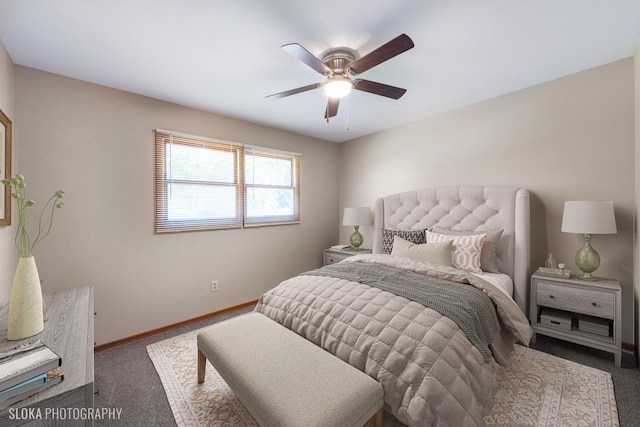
x=161 y=223
x=295 y=174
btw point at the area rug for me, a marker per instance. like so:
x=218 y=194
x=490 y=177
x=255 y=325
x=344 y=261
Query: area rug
x=535 y=389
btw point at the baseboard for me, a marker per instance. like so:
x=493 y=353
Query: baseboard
x=165 y=328
x=628 y=347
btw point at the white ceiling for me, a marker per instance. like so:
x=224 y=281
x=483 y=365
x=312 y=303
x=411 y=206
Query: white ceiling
x=225 y=56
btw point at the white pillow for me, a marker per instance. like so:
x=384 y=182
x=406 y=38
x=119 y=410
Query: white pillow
x=466 y=249
x=436 y=253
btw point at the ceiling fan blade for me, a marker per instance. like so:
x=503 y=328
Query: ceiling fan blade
x=395 y=47
x=332 y=108
x=302 y=54
x=294 y=91
x=379 y=88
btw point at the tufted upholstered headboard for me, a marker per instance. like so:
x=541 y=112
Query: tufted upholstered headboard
x=467 y=209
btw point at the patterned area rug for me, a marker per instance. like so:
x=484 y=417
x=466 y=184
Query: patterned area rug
x=536 y=389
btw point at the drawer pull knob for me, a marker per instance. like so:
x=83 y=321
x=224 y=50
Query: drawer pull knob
x=594 y=304
x=551 y=296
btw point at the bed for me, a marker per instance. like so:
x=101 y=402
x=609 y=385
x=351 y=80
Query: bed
x=434 y=310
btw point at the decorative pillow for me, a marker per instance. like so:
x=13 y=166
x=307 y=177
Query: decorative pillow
x=435 y=253
x=488 y=253
x=466 y=249
x=413 y=236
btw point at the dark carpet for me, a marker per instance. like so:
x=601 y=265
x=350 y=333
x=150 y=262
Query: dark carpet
x=125 y=377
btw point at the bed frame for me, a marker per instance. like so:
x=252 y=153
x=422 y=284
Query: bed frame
x=467 y=209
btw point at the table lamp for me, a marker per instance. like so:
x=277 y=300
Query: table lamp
x=356 y=217
x=587 y=218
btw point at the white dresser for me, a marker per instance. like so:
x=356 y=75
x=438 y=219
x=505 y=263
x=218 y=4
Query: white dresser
x=572 y=309
x=333 y=255
x=69 y=332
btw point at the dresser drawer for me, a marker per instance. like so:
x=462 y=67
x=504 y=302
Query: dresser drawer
x=333 y=257
x=578 y=300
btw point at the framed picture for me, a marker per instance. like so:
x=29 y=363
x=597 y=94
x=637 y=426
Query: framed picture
x=5 y=169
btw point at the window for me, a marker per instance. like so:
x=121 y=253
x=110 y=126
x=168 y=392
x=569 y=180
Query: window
x=204 y=184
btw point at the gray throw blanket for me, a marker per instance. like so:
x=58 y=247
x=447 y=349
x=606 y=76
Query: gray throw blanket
x=470 y=308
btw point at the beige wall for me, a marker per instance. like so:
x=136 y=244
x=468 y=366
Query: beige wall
x=96 y=144
x=568 y=139
x=8 y=259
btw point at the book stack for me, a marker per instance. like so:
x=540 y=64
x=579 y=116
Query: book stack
x=594 y=325
x=26 y=370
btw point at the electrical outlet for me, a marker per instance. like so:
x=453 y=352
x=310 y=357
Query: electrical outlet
x=214 y=285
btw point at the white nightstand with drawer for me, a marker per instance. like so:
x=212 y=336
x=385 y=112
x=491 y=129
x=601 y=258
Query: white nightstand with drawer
x=593 y=307
x=332 y=255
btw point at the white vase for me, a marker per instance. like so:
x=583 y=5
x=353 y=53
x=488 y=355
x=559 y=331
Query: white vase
x=25 y=305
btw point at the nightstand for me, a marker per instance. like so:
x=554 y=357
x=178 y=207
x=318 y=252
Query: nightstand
x=331 y=255
x=580 y=311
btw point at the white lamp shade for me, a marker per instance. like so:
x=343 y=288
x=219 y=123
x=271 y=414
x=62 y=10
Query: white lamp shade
x=356 y=216
x=589 y=217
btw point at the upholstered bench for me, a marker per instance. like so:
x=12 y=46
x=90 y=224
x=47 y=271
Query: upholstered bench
x=285 y=380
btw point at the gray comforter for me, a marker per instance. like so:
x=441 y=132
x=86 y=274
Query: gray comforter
x=470 y=308
x=432 y=374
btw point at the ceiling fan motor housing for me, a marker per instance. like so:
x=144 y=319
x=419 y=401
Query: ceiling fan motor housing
x=338 y=61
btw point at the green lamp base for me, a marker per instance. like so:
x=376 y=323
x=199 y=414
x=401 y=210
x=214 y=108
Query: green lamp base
x=587 y=259
x=356 y=239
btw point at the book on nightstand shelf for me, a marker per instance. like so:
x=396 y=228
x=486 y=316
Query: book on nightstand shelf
x=594 y=325
x=26 y=362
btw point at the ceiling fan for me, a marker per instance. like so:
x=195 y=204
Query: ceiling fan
x=338 y=65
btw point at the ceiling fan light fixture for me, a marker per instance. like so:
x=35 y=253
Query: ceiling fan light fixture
x=337 y=87
x=339 y=65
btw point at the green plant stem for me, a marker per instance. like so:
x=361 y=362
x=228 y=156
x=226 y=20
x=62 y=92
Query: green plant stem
x=48 y=223
x=23 y=242
x=22 y=237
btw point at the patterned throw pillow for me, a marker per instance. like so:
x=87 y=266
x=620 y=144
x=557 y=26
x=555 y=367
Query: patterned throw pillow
x=489 y=247
x=413 y=236
x=466 y=249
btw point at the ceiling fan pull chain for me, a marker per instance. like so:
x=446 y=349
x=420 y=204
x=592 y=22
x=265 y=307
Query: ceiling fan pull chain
x=347 y=127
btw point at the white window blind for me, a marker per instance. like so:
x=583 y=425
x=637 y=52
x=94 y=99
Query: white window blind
x=206 y=184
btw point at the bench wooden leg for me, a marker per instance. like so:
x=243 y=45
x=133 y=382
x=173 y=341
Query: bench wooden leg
x=202 y=365
x=376 y=420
